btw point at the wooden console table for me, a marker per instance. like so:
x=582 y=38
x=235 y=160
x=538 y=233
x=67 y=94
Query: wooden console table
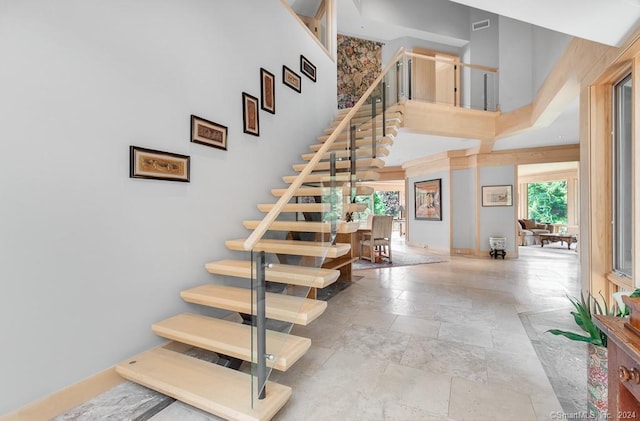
x=623 y=367
x=563 y=238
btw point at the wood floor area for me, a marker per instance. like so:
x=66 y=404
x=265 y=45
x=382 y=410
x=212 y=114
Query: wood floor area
x=459 y=340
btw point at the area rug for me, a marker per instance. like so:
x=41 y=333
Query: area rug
x=399 y=259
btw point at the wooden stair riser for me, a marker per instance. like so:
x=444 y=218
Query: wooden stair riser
x=286 y=308
x=233 y=339
x=292 y=247
x=285 y=274
x=209 y=387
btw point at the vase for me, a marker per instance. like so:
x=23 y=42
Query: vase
x=597 y=387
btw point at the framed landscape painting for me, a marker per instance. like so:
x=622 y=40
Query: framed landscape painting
x=497 y=195
x=428 y=200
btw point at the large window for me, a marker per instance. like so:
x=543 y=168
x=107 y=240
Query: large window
x=548 y=202
x=622 y=178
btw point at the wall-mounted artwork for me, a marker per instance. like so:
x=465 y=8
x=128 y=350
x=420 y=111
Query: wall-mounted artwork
x=208 y=133
x=268 y=89
x=307 y=68
x=158 y=165
x=497 y=195
x=250 y=119
x=428 y=198
x=291 y=79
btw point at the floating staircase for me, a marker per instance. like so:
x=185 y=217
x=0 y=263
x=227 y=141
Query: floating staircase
x=233 y=394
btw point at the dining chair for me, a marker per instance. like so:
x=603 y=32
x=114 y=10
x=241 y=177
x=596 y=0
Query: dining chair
x=379 y=239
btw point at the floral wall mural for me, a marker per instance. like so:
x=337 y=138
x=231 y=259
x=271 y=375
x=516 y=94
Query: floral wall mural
x=359 y=63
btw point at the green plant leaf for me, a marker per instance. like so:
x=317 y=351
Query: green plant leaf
x=575 y=337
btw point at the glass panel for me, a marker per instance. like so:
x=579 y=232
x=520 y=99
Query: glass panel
x=623 y=178
x=445 y=81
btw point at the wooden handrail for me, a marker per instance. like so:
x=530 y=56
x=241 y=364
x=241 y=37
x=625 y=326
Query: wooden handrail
x=270 y=217
x=459 y=63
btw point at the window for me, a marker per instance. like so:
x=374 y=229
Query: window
x=622 y=178
x=548 y=202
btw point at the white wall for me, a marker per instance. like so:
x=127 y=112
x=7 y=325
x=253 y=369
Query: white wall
x=463 y=208
x=484 y=52
x=431 y=233
x=497 y=221
x=90 y=258
x=548 y=46
x=515 y=64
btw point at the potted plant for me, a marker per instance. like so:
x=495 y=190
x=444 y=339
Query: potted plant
x=597 y=393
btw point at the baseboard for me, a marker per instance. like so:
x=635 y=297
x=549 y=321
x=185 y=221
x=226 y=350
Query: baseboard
x=65 y=399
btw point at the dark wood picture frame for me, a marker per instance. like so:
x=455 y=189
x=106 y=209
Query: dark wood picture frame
x=268 y=91
x=158 y=165
x=208 y=133
x=307 y=68
x=250 y=114
x=499 y=195
x=291 y=79
x=428 y=199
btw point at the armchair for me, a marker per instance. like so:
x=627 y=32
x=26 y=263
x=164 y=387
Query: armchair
x=529 y=231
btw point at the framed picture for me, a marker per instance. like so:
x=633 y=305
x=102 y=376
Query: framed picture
x=307 y=68
x=497 y=195
x=250 y=120
x=208 y=133
x=291 y=79
x=267 y=87
x=428 y=198
x=158 y=165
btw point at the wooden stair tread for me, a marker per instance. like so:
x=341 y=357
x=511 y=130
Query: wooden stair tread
x=306 y=226
x=287 y=308
x=297 y=207
x=210 y=387
x=320 y=191
x=339 y=262
x=233 y=339
x=294 y=247
x=286 y=274
x=365 y=142
x=360 y=163
x=360 y=134
x=340 y=177
x=345 y=153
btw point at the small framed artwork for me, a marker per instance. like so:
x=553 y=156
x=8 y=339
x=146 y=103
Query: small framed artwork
x=428 y=198
x=268 y=89
x=497 y=195
x=250 y=120
x=208 y=133
x=307 y=68
x=291 y=79
x=158 y=165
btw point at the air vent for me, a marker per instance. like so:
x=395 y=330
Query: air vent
x=476 y=26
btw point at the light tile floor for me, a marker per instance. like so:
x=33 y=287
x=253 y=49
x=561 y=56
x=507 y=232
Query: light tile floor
x=459 y=340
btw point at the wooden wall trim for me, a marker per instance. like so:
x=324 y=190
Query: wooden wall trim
x=391 y=173
x=447 y=120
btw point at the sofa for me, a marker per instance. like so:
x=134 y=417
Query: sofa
x=529 y=231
